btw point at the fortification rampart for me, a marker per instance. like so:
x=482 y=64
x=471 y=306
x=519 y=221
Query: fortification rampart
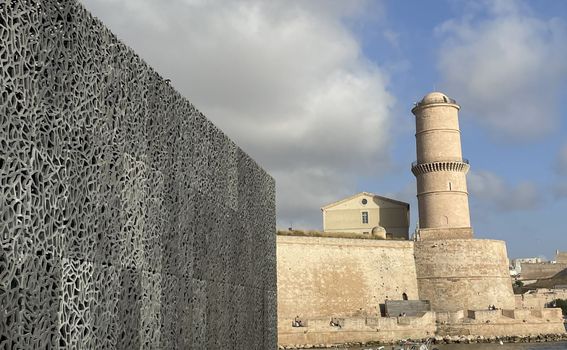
x=346 y=279
x=129 y=220
x=359 y=330
x=489 y=323
x=325 y=277
x=539 y=298
x=435 y=234
x=536 y=271
x=467 y=274
x=561 y=257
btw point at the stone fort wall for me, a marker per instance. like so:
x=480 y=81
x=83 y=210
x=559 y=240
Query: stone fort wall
x=463 y=274
x=319 y=277
x=535 y=271
x=129 y=220
x=346 y=279
x=322 y=277
x=539 y=298
x=561 y=257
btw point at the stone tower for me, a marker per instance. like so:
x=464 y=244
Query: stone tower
x=440 y=170
x=454 y=271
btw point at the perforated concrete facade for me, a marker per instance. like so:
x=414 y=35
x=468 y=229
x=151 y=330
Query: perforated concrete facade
x=129 y=221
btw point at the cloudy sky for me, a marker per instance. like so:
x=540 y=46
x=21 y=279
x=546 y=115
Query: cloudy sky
x=319 y=93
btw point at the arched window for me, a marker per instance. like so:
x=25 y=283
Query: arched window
x=404 y=296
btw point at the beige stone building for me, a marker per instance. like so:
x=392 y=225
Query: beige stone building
x=368 y=213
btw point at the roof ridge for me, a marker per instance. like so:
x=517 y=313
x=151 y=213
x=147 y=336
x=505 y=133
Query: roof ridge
x=363 y=193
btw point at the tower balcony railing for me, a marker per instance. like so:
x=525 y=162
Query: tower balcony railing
x=460 y=165
x=459 y=160
x=444 y=99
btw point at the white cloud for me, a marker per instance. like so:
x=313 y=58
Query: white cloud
x=315 y=189
x=285 y=80
x=496 y=193
x=506 y=66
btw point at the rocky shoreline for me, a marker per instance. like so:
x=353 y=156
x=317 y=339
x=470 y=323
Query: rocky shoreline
x=463 y=339
x=471 y=339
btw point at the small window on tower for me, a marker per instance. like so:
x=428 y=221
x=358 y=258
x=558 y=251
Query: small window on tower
x=364 y=217
x=450 y=187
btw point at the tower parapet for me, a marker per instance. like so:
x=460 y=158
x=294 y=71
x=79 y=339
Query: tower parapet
x=440 y=170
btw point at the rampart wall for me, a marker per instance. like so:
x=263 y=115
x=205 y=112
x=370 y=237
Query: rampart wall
x=535 y=271
x=561 y=257
x=467 y=274
x=539 y=298
x=360 y=330
x=324 y=277
x=489 y=323
x=345 y=280
x=129 y=220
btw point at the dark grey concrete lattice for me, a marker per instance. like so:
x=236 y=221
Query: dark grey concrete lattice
x=128 y=220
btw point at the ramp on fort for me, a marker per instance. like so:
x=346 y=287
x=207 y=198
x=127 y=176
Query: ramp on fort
x=407 y=307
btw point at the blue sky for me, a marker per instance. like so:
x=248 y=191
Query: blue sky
x=516 y=158
x=320 y=92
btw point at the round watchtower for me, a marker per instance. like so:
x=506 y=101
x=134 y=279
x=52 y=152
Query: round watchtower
x=454 y=271
x=440 y=169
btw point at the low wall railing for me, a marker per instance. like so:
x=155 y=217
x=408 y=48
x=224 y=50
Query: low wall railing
x=458 y=160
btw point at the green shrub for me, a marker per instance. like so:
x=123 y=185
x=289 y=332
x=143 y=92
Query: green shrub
x=562 y=303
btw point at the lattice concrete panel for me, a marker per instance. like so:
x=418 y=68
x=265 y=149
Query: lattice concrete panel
x=128 y=220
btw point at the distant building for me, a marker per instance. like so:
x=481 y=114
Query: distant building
x=517 y=263
x=560 y=257
x=368 y=213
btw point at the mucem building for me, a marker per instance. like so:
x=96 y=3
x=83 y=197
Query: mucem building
x=128 y=220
